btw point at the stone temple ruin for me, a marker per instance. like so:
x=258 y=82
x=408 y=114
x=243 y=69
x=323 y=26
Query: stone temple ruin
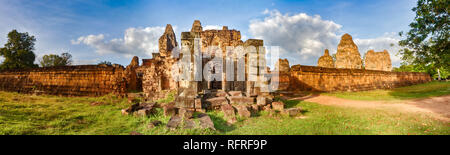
x=347 y=55
x=326 y=60
x=377 y=61
x=201 y=95
x=238 y=88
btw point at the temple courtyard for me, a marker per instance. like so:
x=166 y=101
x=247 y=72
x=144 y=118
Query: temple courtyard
x=413 y=110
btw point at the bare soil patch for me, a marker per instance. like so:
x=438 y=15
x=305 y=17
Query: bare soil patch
x=439 y=107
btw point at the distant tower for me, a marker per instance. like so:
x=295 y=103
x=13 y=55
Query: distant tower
x=347 y=55
x=326 y=60
x=167 y=42
x=377 y=61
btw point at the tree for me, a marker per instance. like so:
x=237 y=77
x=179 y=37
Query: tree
x=427 y=42
x=18 y=51
x=56 y=60
x=105 y=63
x=430 y=69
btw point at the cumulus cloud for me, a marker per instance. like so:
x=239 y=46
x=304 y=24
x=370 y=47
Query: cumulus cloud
x=86 y=61
x=389 y=42
x=212 y=27
x=136 y=41
x=302 y=38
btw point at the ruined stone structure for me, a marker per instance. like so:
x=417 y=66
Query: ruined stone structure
x=281 y=74
x=377 y=61
x=131 y=74
x=347 y=55
x=167 y=42
x=157 y=78
x=311 y=78
x=221 y=39
x=84 y=80
x=326 y=60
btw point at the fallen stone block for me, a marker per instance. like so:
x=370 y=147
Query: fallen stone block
x=185 y=102
x=205 y=121
x=143 y=112
x=278 y=106
x=215 y=103
x=185 y=113
x=198 y=103
x=189 y=124
x=243 y=111
x=260 y=100
x=200 y=110
x=147 y=105
x=241 y=100
x=170 y=110
x=235 y=93
x=174 y=122
x=229 y=113
x=292 y=111
x=220 y=94
x=139 y=109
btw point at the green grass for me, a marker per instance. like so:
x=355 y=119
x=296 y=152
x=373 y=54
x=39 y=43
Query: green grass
x=430 y=89
x=329 y=120
x=49 y=115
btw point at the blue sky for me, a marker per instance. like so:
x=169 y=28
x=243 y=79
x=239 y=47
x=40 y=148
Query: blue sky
x=94 y=31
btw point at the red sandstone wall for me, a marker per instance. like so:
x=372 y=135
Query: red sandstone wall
x=83 y=80
x=311 y=78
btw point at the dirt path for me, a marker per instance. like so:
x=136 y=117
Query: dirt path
x=438 y=107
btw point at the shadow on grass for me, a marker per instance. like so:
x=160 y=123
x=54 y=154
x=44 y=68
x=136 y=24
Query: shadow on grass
x=293 y=104
x=221 y=124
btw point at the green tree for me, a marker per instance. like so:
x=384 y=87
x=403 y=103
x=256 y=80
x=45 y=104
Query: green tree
x=105 y=63
x=427 y=42
x=430 y=69
x=56 y=60
x=18 y=51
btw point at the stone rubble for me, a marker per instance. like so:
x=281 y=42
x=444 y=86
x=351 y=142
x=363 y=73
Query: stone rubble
x=139 y=109
x=279 y=106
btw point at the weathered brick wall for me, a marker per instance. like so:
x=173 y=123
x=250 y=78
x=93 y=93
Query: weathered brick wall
x=311 y=78
x=83 y=80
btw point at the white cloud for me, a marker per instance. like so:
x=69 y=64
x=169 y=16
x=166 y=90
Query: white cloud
x=136 y=41
x=212 y=27
x=389 y=42
x=302 y=38
x=85 y=61
x=243 y=37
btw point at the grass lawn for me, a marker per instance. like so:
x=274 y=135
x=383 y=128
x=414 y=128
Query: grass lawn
x=425 y=90
x=26 y=114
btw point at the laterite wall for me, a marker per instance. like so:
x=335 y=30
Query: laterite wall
x=312 y=78
x=83 y=80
